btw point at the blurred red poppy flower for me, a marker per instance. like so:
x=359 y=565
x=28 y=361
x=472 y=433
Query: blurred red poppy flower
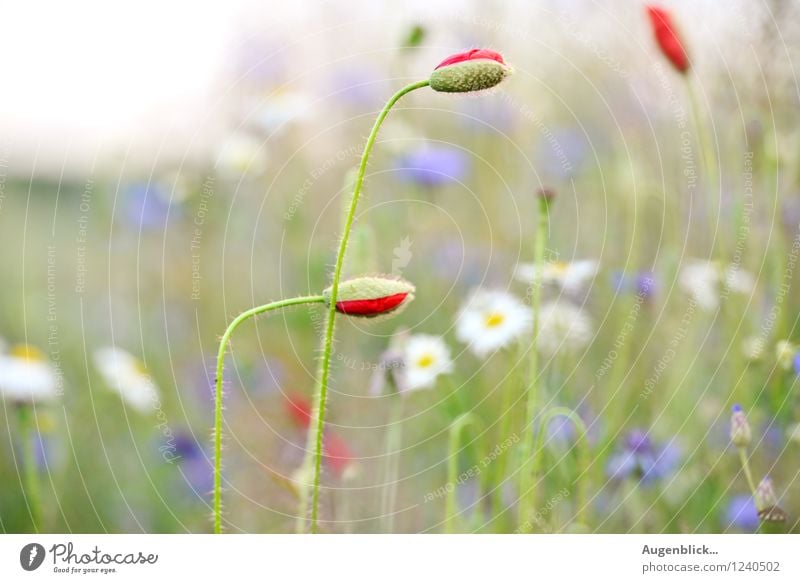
x=667 y=38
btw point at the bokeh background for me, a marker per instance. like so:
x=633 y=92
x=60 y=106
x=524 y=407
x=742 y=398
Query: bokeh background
x=165 y=166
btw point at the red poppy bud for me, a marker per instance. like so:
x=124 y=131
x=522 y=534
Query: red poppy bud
x=667 y=38
x=368 y=297
x=472 y=70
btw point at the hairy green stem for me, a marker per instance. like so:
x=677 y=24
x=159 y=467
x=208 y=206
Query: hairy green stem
x=533 y=383
x=29 y=434
x=582 y=456
x=314 y=456
x=223 y=345
x=456 y=427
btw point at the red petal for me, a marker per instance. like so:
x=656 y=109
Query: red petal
x=371 y=307
x=337 y=453
x=299 y=408
x=667 y=38
x=472 y=55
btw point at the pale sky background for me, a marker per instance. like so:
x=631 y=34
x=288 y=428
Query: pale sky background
x=90 y=80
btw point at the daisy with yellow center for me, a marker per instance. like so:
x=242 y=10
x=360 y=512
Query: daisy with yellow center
x=425 y=358
x=125 y=374
x=26 y=376
x=569 y=276
x=490 y=320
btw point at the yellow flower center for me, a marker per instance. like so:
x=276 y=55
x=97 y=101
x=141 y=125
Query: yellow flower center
x=425 y=361
x=560 y=267
x=494 y=319
x=27 y=352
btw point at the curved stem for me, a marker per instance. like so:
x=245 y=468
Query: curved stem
x=583 y=453
x=223 y=345
x=314 y=457
x=29 y=434
x=458 y=425
x=533 y=384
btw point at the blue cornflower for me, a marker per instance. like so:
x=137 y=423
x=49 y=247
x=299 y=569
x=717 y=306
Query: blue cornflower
x=433 y=165
x=641 y=283
x=146 y=205
x=640 y=458
x=796 y=363
x=194 y=462
x=562 y=152
x=741 y=512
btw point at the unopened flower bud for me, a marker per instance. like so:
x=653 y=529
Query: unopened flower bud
x=765 y=493
x=473 y=70
x=740 y=428
x=368 y=297
x=545 y=193
x=667 y=38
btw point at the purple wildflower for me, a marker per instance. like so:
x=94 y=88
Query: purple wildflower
x=433 y=165
x=741 y=512
x=641 y=458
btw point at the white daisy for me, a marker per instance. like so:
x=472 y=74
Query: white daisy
x=570 y=277
x=241 y=153
x=26 y=376
x=425 y=358
x=125 y=374
x=706 y=280
x=491 y=320
x=563 y=326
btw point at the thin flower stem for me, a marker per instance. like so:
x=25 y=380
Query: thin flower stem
x=746 y=467
x=314 y=456
x=28 y=432
x=709 y=161
x=456 y=427
x=582 y=456
x=223 y=345
x=394 y=440
x=533 y=383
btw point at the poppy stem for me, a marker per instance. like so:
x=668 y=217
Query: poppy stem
x=29 y=434
x=527 y=450
x=223 y=345
x=710 y=168
x=314 y=454
x=456 y=427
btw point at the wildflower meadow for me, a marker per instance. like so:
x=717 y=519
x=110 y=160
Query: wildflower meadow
x=481 y=268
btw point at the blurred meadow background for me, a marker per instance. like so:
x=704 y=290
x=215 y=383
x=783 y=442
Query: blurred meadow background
x=165 y=167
